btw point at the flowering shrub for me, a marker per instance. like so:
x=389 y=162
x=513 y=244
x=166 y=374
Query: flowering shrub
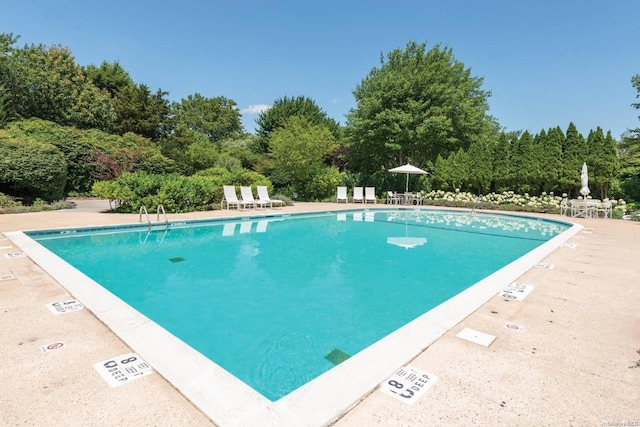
x=508 y=200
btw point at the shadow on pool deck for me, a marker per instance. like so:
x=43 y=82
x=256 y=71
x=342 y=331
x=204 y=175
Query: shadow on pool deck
x=572 y=364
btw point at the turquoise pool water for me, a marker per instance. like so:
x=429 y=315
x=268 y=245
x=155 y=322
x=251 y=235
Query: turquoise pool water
x=279 y=301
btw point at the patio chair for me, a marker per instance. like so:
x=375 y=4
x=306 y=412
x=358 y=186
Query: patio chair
x=247 y=196
x=392 y=198
x=231 y=198
x=342 y=195
x=605 y=208
x=357 y=195
x=417 y=199
x=370 y=195
x=564 y=207
x=263 y=196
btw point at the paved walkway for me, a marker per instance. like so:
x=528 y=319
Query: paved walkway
x=575 y=363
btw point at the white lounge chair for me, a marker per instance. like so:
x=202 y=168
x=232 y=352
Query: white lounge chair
x=370 y=195
x=342 y=195
x=357 y=195
x=263 y=196
x=247 y=196
x=231 y=198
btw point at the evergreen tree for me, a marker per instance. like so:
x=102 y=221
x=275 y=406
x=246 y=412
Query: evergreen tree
x=502 y=176
x=480 y=167
x=551 y=160
x=522 y=156
x=574 y=154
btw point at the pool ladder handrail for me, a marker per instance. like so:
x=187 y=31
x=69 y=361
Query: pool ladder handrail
x=164 y=214
x=160 y=208
x=144 y=209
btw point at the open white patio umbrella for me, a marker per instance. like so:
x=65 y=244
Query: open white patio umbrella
x=409 y=170
x=584 y=178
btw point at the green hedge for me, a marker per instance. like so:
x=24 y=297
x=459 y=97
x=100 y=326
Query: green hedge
x=202 y=191
x=32 y=170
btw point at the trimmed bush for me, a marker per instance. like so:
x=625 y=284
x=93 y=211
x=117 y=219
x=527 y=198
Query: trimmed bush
x=32 y=169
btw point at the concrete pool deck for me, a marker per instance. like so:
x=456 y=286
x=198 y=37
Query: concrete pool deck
x=572 y=364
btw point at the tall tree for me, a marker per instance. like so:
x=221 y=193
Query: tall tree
x=630 y=153
x=45 y=82
x=417 y=105
x=142 y=112
x=299 y=148
x=283 y=108
x=523 y=164
x=480 y=161
x=502 y=172
x=215 y=118
x=551 y=160
x=109 y=76
x=574 y=154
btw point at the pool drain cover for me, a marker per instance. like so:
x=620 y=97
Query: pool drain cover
x=176 y=259
x=337 y=356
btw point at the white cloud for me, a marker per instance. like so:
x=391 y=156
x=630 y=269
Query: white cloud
x=255 y=109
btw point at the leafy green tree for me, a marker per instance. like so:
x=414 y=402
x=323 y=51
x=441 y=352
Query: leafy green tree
x=283 y=108
x=48 y=84
x=109 y=76
x=5 y=114
x=142 y=112
x=216 y=118
x=630 y=154
x=417 y=105
x=298 y=149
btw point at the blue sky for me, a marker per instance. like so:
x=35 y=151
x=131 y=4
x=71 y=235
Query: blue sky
x=546 y=63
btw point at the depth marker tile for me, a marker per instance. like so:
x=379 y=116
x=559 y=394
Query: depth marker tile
x=408 y=384
x=516 y=291
x=65 y=306
x=123 y=369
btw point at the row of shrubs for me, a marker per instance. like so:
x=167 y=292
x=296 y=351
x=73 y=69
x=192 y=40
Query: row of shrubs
x=508 y=201
x=176 y=193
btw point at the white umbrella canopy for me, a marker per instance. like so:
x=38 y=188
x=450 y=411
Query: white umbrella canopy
x=409 y=170
x=584 y=178
x=406 y=241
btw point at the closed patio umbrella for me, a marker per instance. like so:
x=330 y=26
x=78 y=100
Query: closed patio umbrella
x=409 y=170
x=584 y=179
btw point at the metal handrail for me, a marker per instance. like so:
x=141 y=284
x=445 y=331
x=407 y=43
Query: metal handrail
x=164 y=214
x=144 y=209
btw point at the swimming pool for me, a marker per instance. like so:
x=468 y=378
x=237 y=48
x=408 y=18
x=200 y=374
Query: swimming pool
x=386 y=245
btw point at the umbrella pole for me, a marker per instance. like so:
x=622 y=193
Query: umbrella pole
x=406 y=188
